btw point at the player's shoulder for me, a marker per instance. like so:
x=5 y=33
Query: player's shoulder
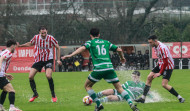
x=89 y=41
x=162 y=45
x=51 y=36
x=37 y=35
x=6 y=53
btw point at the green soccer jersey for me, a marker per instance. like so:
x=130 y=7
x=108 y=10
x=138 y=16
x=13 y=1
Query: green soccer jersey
x=134 y=89
x=99 y=50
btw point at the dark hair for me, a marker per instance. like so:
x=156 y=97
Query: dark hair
x=153 y=37
x=10 y=43
x=42 y=27
x=94 y=32
x=136 y=73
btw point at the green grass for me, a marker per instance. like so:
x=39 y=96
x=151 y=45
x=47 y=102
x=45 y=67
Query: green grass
x=69 y=88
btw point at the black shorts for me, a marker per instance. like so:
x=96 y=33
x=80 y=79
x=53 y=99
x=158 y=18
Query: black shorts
x=166 y=74
x=39 y=65
x=3 y=82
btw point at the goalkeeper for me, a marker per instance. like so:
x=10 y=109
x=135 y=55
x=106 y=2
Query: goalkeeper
x=134 y=89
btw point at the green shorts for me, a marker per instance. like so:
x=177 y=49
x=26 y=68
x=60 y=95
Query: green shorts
x=110 y=76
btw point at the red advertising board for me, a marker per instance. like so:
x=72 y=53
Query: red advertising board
x=22 y=60
x=175 y=50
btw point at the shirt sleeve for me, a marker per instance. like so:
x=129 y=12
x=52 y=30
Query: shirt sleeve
x=6 y=56
x=33 y=40
x=112 y=46
x=87 y=45
x=54 y=41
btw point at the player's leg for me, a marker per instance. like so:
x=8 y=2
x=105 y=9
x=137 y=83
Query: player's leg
x=3 y=82
x=105 y=93
x=110 y=98
x=166 y=77
x=3 y=97
x=48 y=68
x=88 y=86
x=9 y=88
x=32 y=73
x=148 y=84
x=123 y=93
x=91 y=80
x=51 y=84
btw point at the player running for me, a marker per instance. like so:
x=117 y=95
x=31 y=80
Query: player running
x=5 y=85
x=103 y=68
x=164 y=68
x=134 y=89
x=43 y=56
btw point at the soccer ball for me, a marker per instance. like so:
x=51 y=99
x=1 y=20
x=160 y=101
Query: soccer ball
x=87 y=100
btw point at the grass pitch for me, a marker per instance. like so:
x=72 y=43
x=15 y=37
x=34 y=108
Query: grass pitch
x=69 y=88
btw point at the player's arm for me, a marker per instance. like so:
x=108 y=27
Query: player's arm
x=28 y=44
x=9 y=76
x=1 y=60
x=79 y=50
x=163 y=66
x=120 y=52
x=58 y=54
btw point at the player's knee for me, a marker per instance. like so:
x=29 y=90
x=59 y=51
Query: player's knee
x=164 y=85
x=48 y=76
x=31 y=77
x=150 y=76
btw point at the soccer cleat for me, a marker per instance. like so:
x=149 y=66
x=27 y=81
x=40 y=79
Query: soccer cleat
x=33 y=98
x=14 y=109
x=134 y=107
x=140 y=100
x=181 y=100
x=2 y=109
x=99 y=108
x=54 y=99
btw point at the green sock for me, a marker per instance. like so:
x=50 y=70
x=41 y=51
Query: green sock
x=125 y=95
x=92 y=94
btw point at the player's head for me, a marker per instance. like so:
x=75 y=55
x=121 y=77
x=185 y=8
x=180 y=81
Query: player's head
x=43 y=31
x=153 y=40
x=136 y=76
x=11 y=44
x=94 y=32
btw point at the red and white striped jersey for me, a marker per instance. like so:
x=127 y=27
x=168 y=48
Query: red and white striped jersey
x=5 y=63
x=43 y=50
x=162 y=52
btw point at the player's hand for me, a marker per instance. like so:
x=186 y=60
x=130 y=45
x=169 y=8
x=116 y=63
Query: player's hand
x=65 y=57
x=9 y=76
x=59 y=62
x=123 y=60
x=156 y=75
x=17 y=44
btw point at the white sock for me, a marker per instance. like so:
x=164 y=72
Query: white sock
x=105 y=99
x=143 y=96
x=12 y=105
x=99 y=94
x=179 y=97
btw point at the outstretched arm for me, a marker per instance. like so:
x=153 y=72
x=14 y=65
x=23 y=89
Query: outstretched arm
x=28 y=44
x=79 y=50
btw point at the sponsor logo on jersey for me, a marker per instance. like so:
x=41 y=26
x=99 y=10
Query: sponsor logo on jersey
x=99 y=41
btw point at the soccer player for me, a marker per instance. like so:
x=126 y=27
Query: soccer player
x=103 y=68
x=164 y=68
x=43 y=56
x=5 y=85
x=134 y=89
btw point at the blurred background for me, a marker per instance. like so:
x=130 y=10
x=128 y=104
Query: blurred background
x=126 y=23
